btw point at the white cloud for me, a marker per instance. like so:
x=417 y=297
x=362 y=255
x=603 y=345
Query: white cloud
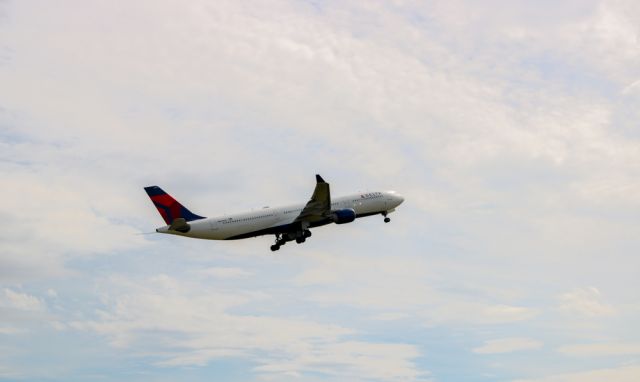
x=60 y=215
x=10 y=330
x=163 y=313
x=384 y=283
x=601 y=349
x=20 y=301
x=62 y=218
x=632 y=87
x=390 y=316
x=508 y=345
x=586 y=302
x=225 y=273
x=512 y=134
x=469 y=312
x=21 y=314
x=9 y=372
x=355 y=361
x=619 y=374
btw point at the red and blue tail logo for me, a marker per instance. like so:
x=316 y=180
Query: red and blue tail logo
x=169 y=208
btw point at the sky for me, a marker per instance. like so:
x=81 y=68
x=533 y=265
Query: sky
x=510 y=127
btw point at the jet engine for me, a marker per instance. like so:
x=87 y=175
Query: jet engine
x=346 y=215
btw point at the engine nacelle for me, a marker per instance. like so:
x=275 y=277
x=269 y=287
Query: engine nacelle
x=346 y=215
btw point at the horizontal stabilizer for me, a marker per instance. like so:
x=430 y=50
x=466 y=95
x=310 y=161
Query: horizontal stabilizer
x=180 y=225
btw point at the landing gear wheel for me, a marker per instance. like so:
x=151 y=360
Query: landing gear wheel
x=279 y=242
x=387 y=220
x=307 y=233
x=300 y=240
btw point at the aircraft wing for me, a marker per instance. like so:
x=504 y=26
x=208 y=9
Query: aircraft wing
x=319 y=206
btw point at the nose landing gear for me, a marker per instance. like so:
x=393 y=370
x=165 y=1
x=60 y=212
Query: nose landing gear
x=386 y=219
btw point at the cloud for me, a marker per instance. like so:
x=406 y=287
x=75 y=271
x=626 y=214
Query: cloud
x=619 y=374
x=601 y=349
x=512 y=135
x=355 y=361
x=10 y=330
x=56 y=215
x=9 y=372
x=404 y=288
x=467 y=312
x=632 y=87
x=20 y=301
x=225 y=273
x=21 y=315
x=390 y=316
x=586 y=302
x=185 y=324
x=507 y=345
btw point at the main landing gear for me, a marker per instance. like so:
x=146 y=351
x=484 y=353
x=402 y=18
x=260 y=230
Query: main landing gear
x=281 y=239
x=386 y=219
x=303 y=237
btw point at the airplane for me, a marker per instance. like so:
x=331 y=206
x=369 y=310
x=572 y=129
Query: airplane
x=288 y=223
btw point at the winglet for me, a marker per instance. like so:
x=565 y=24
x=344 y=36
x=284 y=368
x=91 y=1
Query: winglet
x=319 y=179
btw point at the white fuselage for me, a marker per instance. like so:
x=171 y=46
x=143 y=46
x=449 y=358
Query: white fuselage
x=261 y=222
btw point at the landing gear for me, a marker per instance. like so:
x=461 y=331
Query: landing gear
x=280 y=241
x=299 y=236
x=386 y=219
x=302 y=236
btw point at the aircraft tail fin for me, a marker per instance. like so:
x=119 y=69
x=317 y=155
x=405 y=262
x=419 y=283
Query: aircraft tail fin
x=169 y=208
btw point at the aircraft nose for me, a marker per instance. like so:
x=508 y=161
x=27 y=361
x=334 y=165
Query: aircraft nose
x=399 y=198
